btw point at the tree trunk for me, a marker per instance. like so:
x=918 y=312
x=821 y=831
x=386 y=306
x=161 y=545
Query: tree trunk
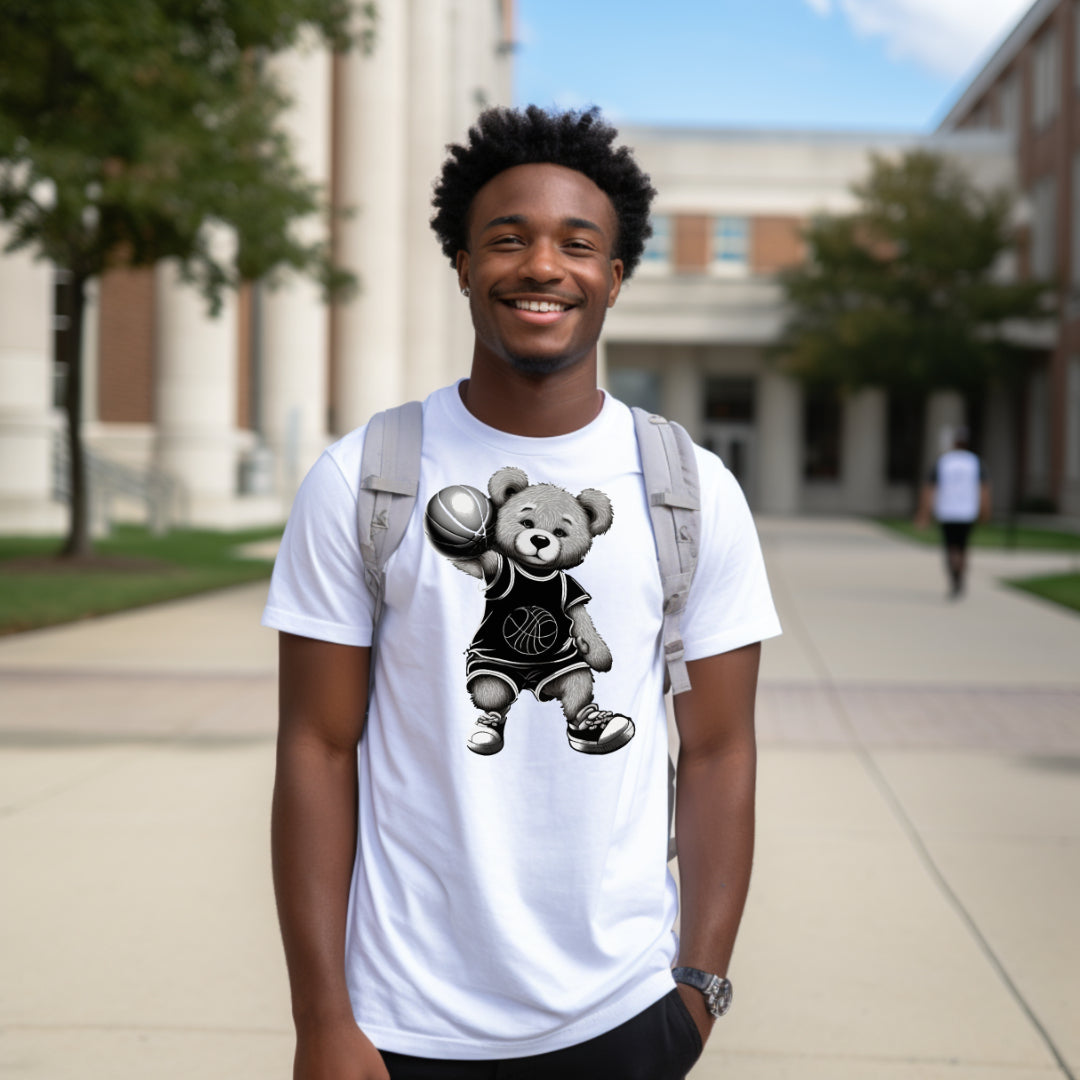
x=78 y=539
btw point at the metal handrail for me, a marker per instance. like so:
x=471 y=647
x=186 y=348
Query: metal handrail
x=163 y=496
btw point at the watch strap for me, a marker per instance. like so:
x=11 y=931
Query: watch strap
x=695 y=977
x=715 y=988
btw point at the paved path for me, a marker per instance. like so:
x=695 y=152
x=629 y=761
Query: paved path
x=913 y=907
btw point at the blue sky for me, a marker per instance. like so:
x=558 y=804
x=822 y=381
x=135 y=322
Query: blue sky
x=848 y=64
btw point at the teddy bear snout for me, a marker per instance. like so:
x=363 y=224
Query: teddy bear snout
x=536 y=545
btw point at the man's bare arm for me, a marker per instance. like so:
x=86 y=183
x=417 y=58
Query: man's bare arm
x=322 y=700
x=714 y=810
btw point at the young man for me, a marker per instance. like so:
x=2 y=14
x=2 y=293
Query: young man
x=957 y=493
x=501 y=905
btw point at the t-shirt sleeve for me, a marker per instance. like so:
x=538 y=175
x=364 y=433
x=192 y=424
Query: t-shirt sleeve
x=730 y=604
x=575 y=594
x=317 y=589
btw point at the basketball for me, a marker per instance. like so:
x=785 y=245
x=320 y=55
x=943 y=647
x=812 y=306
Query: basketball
x=457 y=521
x=530 y=630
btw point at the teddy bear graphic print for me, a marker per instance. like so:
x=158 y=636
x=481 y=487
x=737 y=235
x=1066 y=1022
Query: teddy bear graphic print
x=536 y=634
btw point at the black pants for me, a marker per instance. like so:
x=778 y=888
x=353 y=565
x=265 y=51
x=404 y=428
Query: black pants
x=661 y=1043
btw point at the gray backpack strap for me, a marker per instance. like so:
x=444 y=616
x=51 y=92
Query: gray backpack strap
x=389 y=481
x=671 y=483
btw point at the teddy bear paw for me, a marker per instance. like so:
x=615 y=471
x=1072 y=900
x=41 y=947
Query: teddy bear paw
x=487 y=737
x=598 y=731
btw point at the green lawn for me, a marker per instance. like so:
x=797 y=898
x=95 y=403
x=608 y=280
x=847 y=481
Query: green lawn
x=993 y=535
x=1063 y=589
x=132 y=568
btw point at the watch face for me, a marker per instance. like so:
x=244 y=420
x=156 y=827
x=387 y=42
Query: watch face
x=718 y=997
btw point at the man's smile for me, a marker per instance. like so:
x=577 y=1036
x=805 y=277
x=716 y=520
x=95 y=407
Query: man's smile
x=538 y=310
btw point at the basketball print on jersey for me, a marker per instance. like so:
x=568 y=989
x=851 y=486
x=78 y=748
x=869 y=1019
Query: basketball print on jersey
x=536 y=633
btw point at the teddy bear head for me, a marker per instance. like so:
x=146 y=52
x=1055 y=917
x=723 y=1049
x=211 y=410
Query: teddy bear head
x=543 y=527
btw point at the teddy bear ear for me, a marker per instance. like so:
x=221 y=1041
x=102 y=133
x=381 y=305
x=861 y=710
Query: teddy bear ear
x=598 y=506
x=505 y=483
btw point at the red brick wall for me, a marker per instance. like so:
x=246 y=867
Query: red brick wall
x=690 y=249
x=126 y=347
x=775 y=244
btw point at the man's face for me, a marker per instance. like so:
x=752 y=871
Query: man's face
x=539 y=266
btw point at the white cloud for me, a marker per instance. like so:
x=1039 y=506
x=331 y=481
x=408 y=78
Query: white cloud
x=946 y=36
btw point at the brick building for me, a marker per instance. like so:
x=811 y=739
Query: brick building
x=1029 y=91
x=231 y=411
x=692 y=332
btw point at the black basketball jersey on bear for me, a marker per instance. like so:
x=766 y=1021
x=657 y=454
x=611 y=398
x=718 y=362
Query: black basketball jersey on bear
x=526 y=618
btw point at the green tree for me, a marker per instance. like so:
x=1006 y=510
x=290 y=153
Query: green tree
x=129 y=127
x=906 y=293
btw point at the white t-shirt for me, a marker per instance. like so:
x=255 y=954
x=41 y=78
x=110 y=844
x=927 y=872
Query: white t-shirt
x=956 y=477
x=517 y=903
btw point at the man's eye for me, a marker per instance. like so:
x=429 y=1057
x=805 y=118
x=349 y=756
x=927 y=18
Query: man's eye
x=526 y=523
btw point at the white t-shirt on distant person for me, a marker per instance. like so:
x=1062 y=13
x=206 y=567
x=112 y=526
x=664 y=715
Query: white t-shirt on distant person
x=957 y=478
x=518 y=903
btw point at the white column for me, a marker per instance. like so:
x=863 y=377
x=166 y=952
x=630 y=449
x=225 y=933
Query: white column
x=680 y=391
x=779 y=450
x=293 y=318
x=372 y=241
x=431 y=281
x=27 y=424
x=945 y=413
x=863 y=449
x=90 y=349
x=195 y=397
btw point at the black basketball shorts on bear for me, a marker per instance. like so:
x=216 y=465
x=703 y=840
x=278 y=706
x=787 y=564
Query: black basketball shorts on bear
x=526 y=637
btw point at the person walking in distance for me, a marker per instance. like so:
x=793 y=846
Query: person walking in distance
x=470 y=820
x=957 y=494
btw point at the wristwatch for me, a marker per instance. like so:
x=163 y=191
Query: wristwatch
x=716 y=988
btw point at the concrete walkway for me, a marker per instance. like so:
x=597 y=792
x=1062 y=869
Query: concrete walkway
x=913 y=912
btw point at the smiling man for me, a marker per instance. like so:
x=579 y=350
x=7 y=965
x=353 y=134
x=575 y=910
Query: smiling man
x=478 y=887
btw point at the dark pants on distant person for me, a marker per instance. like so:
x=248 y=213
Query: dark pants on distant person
x=956 y=535
x=661 y=1043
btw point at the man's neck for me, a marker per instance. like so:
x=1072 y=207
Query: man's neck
x=537 y=406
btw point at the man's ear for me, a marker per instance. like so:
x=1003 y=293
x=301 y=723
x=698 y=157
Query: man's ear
x=616 y=281
x=462 y=269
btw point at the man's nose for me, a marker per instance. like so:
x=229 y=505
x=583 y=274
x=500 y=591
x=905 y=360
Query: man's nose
x=542 y=263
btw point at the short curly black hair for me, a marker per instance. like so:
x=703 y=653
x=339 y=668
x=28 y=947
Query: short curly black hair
x=502 y=138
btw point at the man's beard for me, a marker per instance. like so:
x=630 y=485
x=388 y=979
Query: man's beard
x=542 y=365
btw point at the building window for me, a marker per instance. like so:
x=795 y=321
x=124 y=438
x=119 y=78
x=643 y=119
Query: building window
x=1009 y=103
x=1075 y=222
x=822 y=418
x=658 y=247
x=1076 y=43
x=729 y=399
x=730 y=243
x=902 y=438
x=1043 y=251
x=1046 y=79
x=1072 y=420
x=636 y=386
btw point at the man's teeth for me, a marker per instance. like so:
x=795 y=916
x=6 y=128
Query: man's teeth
x=539 y=305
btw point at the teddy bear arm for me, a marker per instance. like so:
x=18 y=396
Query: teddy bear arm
x=593 y=647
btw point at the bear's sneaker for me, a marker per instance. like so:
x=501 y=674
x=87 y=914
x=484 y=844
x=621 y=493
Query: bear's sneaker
x=597 y=731
x=487 y=737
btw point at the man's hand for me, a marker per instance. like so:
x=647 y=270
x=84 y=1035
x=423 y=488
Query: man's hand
x=337 y=1051
x=694 y=1000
